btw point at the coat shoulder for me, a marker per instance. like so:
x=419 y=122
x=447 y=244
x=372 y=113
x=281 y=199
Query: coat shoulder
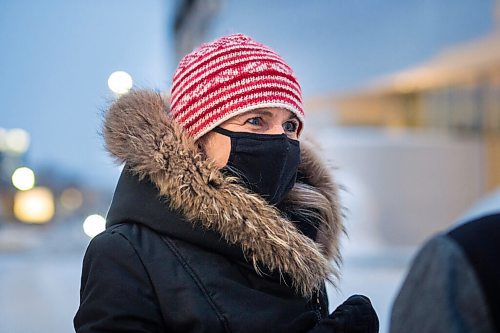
x=105 y=305
x=150 y=268
x=439 y=292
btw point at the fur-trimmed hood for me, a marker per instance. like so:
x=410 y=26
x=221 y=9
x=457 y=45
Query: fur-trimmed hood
x=139 y=132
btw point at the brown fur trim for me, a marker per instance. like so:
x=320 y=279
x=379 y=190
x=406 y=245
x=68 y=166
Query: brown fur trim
x=319 y=200
x=138 y=130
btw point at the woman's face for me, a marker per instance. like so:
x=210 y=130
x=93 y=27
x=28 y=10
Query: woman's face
x=261 y=121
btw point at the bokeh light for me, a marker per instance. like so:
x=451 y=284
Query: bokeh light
x=71 y=199
x=34 y=206
x=94 y=225
x=23 y=178
x=17 y=141
x=120 y=82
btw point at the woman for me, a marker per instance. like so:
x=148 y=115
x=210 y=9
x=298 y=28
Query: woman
x=219 y=222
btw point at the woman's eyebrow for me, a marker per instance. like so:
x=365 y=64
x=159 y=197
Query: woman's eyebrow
x=257 y=112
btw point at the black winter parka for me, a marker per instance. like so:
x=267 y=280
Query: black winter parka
x=188 y=249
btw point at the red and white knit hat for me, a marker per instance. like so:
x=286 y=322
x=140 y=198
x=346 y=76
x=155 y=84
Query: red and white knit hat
x=230 y=76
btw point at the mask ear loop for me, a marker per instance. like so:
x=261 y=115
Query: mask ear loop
x=223 y=131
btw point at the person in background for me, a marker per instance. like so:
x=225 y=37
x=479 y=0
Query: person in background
x=224 y=219
x=453 y=284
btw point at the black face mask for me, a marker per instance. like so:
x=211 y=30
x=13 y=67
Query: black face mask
x=266 y=163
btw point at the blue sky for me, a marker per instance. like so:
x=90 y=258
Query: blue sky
x=56 y=56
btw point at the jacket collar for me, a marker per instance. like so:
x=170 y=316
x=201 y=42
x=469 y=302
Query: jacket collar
x=138 y=201
x=139 y=132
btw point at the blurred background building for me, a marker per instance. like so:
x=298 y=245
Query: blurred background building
x=438 y=123
x=404 y=98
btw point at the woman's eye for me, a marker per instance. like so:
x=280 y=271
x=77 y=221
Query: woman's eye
x=290 y=126
x=257 y=121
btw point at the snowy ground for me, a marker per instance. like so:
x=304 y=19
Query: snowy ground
x=40 y=277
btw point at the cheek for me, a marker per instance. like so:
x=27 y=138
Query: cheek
x=224 y=149
x=218 y=148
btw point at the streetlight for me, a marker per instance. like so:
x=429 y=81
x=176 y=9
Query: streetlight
x=23 y=178
x=120 y=82
x=34 y=206
x=94 y=225
x=16 y=141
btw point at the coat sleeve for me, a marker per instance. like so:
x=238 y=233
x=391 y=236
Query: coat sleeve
x=116 y=294
x=441 y=293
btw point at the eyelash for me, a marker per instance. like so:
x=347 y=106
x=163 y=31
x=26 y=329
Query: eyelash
x=295 y=126
x=254 y=118
x=293 y=122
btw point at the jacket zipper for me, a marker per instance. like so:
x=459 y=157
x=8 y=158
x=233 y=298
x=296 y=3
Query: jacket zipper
x=317 y=306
